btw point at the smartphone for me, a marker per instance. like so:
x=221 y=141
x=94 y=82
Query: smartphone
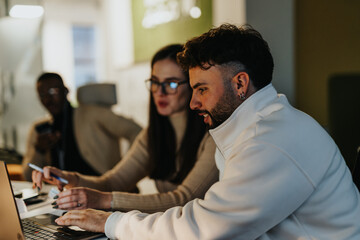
x=44 y=128
x=36 y=198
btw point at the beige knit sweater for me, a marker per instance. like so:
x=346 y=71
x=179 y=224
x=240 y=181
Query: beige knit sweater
x=135 y=166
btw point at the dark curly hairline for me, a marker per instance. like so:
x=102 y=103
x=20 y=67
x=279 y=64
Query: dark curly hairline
x=189 y=60
x=195 y=52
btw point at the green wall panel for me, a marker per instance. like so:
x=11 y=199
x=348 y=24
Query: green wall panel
x=148 y=40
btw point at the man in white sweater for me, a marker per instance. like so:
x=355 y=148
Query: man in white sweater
x=282 y=177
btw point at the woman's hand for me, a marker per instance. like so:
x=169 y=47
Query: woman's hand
x=89 y=219
x=39 y=177
x=82 y=198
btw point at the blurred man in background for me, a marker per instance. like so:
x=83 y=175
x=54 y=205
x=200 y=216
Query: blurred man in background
x=84 y=139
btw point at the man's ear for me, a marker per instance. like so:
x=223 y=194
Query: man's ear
x=242 y=82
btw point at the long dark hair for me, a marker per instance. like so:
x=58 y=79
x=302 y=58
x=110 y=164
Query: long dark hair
x=161 y=134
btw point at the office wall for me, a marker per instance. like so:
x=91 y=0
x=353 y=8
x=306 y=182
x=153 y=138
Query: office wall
x=234 y=11
x=275 y=21
x=20 y=63
x=57 y=37
x=148 y=40
x=327 y=42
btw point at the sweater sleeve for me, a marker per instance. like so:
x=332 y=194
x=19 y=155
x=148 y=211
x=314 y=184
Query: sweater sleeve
x=124 y=176
x=33 y=156
x=198 y=181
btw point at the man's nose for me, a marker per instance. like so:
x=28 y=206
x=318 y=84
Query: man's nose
x=194 y=103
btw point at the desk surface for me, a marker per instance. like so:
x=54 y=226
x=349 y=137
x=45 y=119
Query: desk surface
x=38 y=208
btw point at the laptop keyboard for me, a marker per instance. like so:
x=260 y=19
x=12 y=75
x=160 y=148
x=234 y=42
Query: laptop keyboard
x=34 y=231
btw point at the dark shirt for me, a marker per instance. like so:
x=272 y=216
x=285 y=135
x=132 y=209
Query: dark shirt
x=67 y=147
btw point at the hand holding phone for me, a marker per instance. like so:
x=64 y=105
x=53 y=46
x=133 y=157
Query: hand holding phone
x=46 y=140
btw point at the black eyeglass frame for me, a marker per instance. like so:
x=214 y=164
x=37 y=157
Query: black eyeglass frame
x=150 y=82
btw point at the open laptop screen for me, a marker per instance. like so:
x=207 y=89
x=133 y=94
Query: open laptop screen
x=10 y=227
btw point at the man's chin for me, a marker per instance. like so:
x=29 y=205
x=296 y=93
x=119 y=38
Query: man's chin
x=212 y=125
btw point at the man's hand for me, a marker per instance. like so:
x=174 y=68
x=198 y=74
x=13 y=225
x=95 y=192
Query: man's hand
x=89 y=219
x=82 y=198
x=46 y=141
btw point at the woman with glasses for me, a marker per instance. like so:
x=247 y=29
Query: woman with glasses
x=175 y=150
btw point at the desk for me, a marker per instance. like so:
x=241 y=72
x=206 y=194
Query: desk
x=39 y=208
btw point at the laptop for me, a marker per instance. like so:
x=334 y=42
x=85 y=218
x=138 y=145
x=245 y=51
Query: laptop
x=13 y=228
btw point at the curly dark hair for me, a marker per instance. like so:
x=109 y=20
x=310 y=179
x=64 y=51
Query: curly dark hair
x=230 y=44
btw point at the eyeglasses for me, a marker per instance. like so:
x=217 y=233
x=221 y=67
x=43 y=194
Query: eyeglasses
x=50 y=93
x=166 y=87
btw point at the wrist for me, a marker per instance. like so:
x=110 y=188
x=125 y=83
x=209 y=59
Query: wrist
x=108 y=200
x=73 y=179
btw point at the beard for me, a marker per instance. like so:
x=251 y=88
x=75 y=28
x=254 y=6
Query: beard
x=226 y=105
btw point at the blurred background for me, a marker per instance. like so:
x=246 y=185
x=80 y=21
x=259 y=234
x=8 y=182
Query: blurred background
x=112 y=41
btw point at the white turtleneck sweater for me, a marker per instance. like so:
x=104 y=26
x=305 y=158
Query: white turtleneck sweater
x=282 y=177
